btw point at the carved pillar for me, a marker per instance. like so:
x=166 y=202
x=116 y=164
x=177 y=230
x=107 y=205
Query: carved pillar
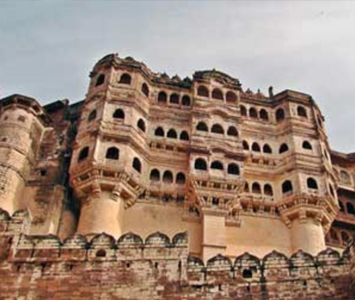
x=214 y=233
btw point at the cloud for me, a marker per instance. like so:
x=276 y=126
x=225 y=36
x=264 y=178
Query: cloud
x=49 y=47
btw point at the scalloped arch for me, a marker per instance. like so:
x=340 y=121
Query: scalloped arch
x=300 y=258
x=195 y=261
x=274 y=257
x=245 y=259
x=23 y=213
x=219 y=260
x=180 y=238
x=157 y=238
x=324 y=256
x=75 y=241
x=47 y=242
x=103 y=240
x=4 y=215
x=130 y=239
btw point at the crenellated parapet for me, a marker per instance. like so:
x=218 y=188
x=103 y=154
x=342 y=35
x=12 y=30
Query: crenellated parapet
x=132 y=265
x=17 y=223
x=102 y=247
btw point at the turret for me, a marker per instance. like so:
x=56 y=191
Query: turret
x=308 y=203
x=108 y=161
x=22 y=121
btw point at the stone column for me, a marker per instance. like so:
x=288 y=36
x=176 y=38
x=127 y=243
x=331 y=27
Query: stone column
x=214 y=233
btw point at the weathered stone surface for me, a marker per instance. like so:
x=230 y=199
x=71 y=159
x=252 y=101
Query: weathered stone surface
x=162 y=188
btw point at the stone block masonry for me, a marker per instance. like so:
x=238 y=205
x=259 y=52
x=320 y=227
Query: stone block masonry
x=43 y=267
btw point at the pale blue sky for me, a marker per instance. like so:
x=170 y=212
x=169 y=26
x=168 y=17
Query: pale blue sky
x=47 y=48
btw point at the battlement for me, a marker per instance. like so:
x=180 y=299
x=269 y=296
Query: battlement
x=157 y=264
x=18 y=223
x=102 y=247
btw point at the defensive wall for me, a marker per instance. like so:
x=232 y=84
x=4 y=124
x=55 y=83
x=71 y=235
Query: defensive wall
x=159 y=267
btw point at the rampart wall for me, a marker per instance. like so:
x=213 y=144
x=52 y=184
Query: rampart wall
x=43 y=267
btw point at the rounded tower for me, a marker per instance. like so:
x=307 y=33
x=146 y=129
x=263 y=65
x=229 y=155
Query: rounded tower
x=108 y=160
x=308 y=203
x=21 y=125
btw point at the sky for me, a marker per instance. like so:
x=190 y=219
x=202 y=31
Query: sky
x=48 y=48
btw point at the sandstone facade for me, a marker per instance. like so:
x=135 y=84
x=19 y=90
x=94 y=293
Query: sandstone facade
x=41 y=267
x=237 y=171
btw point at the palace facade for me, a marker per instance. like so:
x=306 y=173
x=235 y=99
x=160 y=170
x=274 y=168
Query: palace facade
x=238 y=171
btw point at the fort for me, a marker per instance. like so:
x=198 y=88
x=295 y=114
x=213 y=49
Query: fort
x=167 y=188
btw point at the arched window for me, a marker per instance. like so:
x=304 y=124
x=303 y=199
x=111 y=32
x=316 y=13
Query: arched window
x=203 y=91
x=301 y=111
x=154 y=175
x=217 y=165
x=21 y=119
x=125 y=78
x=287 y=187
x=217 y=94
x=174 y=98
x=268 y=190
x=280 y=115
x=137 y=165
x=283 y=148
x=233 y=169
x=231 y=97
x=312 y=183
x=200 y=164
x=350 y=208
x=333 y=235
x=92 y=115
x=345 y=177
x=232 y=131
x=172 y=134
x=264 y=115
x=245 y=145
x=100 y=80
x=255 y=147
x=168 y=177
x=180 y=178
x=159 y=131
x=243 y=111
x=112 y=153
x=201 y=126
x=246 y=187
x=341 y=206
x=145 y=89
x=162 y=97
x=307 y=145
x=118 y=114
x=345 y=237
x=216 y=128
x=83 y=154
x=141 y=125
x=256 y=188
x=267 y=149
x=184 y=136
x=186 y=101
x=253 y=113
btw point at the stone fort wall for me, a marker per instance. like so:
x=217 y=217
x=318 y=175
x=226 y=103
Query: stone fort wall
x=43 y=267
